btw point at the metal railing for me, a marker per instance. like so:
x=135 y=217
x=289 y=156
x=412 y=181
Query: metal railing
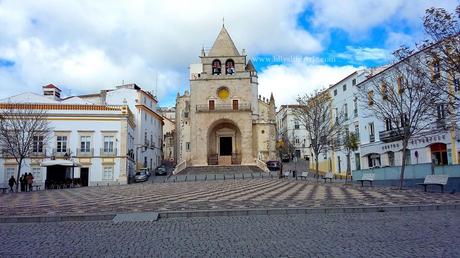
x=108 y=152
x=88 y=152
x=61 y=152
x=390 y=135
x=223 y=107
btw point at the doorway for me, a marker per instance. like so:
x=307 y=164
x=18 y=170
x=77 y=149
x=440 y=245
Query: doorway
x=225 y=146
x=84 y=175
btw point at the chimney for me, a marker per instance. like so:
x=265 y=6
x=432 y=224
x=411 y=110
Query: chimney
x=52 y=91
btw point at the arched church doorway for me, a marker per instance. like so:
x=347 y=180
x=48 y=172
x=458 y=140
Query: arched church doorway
x=224 y=143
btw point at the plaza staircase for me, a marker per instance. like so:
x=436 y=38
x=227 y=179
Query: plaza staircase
x=220 y=170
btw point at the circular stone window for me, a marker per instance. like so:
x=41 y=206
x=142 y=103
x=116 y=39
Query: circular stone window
x=223 y=93
x=263 y=131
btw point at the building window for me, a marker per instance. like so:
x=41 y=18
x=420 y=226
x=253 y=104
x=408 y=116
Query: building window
x=335 y=92
x=235 y=104
x=456 y=84
x=355 y=104
x=345 y=110
x=216 y=67
x=211 y=105
x=108 y=173
x=297 y=140
x=436 y=69
x=187 y=146
x=37 y=145
x=400 y=83
x=370 y=98
x=384 y=91
x=108 y=143
x=85 y=143
x=229 y=66
x=442 y=110
x=37 y=173
x=61 y=144
x=388 y=125
x=344 y=87
x=296 y=125
x=9 y=172
x=371 y=132
x=353 y=82
x=357 y=131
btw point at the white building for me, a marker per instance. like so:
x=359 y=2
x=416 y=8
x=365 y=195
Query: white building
x=292 y=132
x=90 y=144
x=148 y=135
x=381 y=144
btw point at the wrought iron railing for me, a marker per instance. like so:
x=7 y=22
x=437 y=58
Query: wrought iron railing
x=223 y=107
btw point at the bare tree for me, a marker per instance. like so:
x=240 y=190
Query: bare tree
x=315 y=114
x=443 y=47
x=23 y=131
x=404 y=98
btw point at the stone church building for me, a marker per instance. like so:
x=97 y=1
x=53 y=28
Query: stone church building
x=223 y=120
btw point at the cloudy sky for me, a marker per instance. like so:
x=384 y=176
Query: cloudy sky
x=85 y=46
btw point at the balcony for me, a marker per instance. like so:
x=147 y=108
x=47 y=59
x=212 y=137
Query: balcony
x=108 y=152
x=38 y=154
x=61 y=152
x=85 y=152
x=390 y=135
x=223 y=107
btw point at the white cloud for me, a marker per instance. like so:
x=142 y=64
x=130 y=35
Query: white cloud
x=90 y=45
x=287 y=82
x=358 y=16
x=360 y=54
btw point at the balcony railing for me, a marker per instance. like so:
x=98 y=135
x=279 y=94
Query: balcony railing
x=61 y=152
x=223 y=107
x=390 y=135
x=372 y=138
x=89 y=152
x=108 y=152
x=38 y=153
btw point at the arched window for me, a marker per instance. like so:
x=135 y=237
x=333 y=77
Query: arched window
x=229 y=66
x=216 y=67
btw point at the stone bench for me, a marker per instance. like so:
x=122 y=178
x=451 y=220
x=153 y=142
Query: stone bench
x=369 y=177
x=440 y=180
x=304 y=175
x=329 y=176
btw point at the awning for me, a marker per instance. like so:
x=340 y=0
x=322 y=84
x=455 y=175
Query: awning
x=59 y=162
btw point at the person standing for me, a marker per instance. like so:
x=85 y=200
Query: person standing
x=30 y=181
x=11 y=183
x=22 y=182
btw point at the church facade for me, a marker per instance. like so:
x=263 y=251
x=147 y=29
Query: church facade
x=223 y=120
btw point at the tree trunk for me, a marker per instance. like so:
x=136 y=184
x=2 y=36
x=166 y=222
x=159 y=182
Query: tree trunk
x=316 y=167
x=18 y=175
x=403 y=166
x=348 y=167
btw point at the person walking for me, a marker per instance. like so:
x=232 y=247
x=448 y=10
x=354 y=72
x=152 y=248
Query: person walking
x=22 y=182
x=30 y=181
x=11 y=183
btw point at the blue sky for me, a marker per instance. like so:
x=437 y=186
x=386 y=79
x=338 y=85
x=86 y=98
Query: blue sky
x=296 y=45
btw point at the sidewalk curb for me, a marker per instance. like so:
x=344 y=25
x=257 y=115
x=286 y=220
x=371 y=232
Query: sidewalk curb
x=236 y=212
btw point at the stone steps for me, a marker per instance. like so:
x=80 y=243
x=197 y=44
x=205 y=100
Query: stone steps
x=215 y=170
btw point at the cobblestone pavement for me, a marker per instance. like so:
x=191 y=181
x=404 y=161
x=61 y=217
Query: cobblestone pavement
x=389 y=234
x=230 y=194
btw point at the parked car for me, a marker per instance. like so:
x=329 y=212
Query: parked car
x=140 y=177
x=146 y=171
x=161 y=170
x=285 y=158
x=273 y=165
